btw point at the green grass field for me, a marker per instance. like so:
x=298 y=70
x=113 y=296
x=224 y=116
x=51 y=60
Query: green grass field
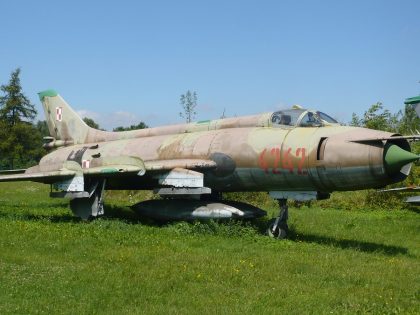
x=335 y=262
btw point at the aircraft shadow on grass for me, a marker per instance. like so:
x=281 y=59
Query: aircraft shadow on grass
x=130 y=217
x=261 y=225
x=363 y=246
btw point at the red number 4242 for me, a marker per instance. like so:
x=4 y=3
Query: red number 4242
x=278 y=160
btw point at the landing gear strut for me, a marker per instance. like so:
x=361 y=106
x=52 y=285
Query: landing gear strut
x=91 y=206
x=278 y=229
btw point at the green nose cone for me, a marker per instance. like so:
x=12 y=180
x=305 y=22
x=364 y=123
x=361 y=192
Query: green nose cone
x=395 y=158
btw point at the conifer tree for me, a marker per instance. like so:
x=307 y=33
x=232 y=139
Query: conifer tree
x=20 y=140
x=15 y=107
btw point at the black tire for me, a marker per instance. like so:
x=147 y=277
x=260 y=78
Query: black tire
x=280 y=232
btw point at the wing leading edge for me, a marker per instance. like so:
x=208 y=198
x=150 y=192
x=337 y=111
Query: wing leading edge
x=110 y=167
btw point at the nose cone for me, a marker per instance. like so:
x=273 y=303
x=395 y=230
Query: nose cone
x=395 y=158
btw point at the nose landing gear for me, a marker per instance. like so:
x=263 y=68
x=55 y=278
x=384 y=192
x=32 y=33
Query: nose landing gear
x=279 y=228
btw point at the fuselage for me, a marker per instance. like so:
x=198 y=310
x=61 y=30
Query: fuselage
x=266 y=158
x=287 y=150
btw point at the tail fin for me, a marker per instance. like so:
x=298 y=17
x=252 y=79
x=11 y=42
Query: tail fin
x=63 y=122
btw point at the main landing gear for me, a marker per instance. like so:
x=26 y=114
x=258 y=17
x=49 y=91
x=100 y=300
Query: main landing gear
x=92 y=205
x=279 y=228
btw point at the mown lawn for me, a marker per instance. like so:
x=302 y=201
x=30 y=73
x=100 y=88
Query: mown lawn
x=335 y=262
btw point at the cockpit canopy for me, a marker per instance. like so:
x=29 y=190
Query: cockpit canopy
x=301 y=118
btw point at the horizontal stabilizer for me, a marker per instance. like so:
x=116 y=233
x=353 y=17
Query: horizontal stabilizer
x=39 y=177
x=69 y=169
x=10 y=172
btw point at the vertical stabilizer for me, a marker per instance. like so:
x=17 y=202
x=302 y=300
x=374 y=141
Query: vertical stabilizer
x=63 y=122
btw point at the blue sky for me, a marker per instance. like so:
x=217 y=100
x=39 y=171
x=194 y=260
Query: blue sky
x=125 y=61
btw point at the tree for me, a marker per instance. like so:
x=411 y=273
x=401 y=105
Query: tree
x=140 y=125
x=355 y=121
x=42 y=127
x=91 y=123
x=14 y=105
x=377 y=118
x=189 y=103
x=20 y=140
x=410 y=122
x=20 y=146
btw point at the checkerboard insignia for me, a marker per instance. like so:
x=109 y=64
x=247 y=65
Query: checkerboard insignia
x=59 y=113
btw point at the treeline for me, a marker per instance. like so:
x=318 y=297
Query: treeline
x=91 y=123
x=376 y=117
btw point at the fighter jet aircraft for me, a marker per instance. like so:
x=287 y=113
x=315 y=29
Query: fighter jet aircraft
x=292 y=154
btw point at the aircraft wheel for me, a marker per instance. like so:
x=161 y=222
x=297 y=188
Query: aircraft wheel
x=279 y=232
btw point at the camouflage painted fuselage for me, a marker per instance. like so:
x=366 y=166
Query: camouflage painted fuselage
x=248 y=158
